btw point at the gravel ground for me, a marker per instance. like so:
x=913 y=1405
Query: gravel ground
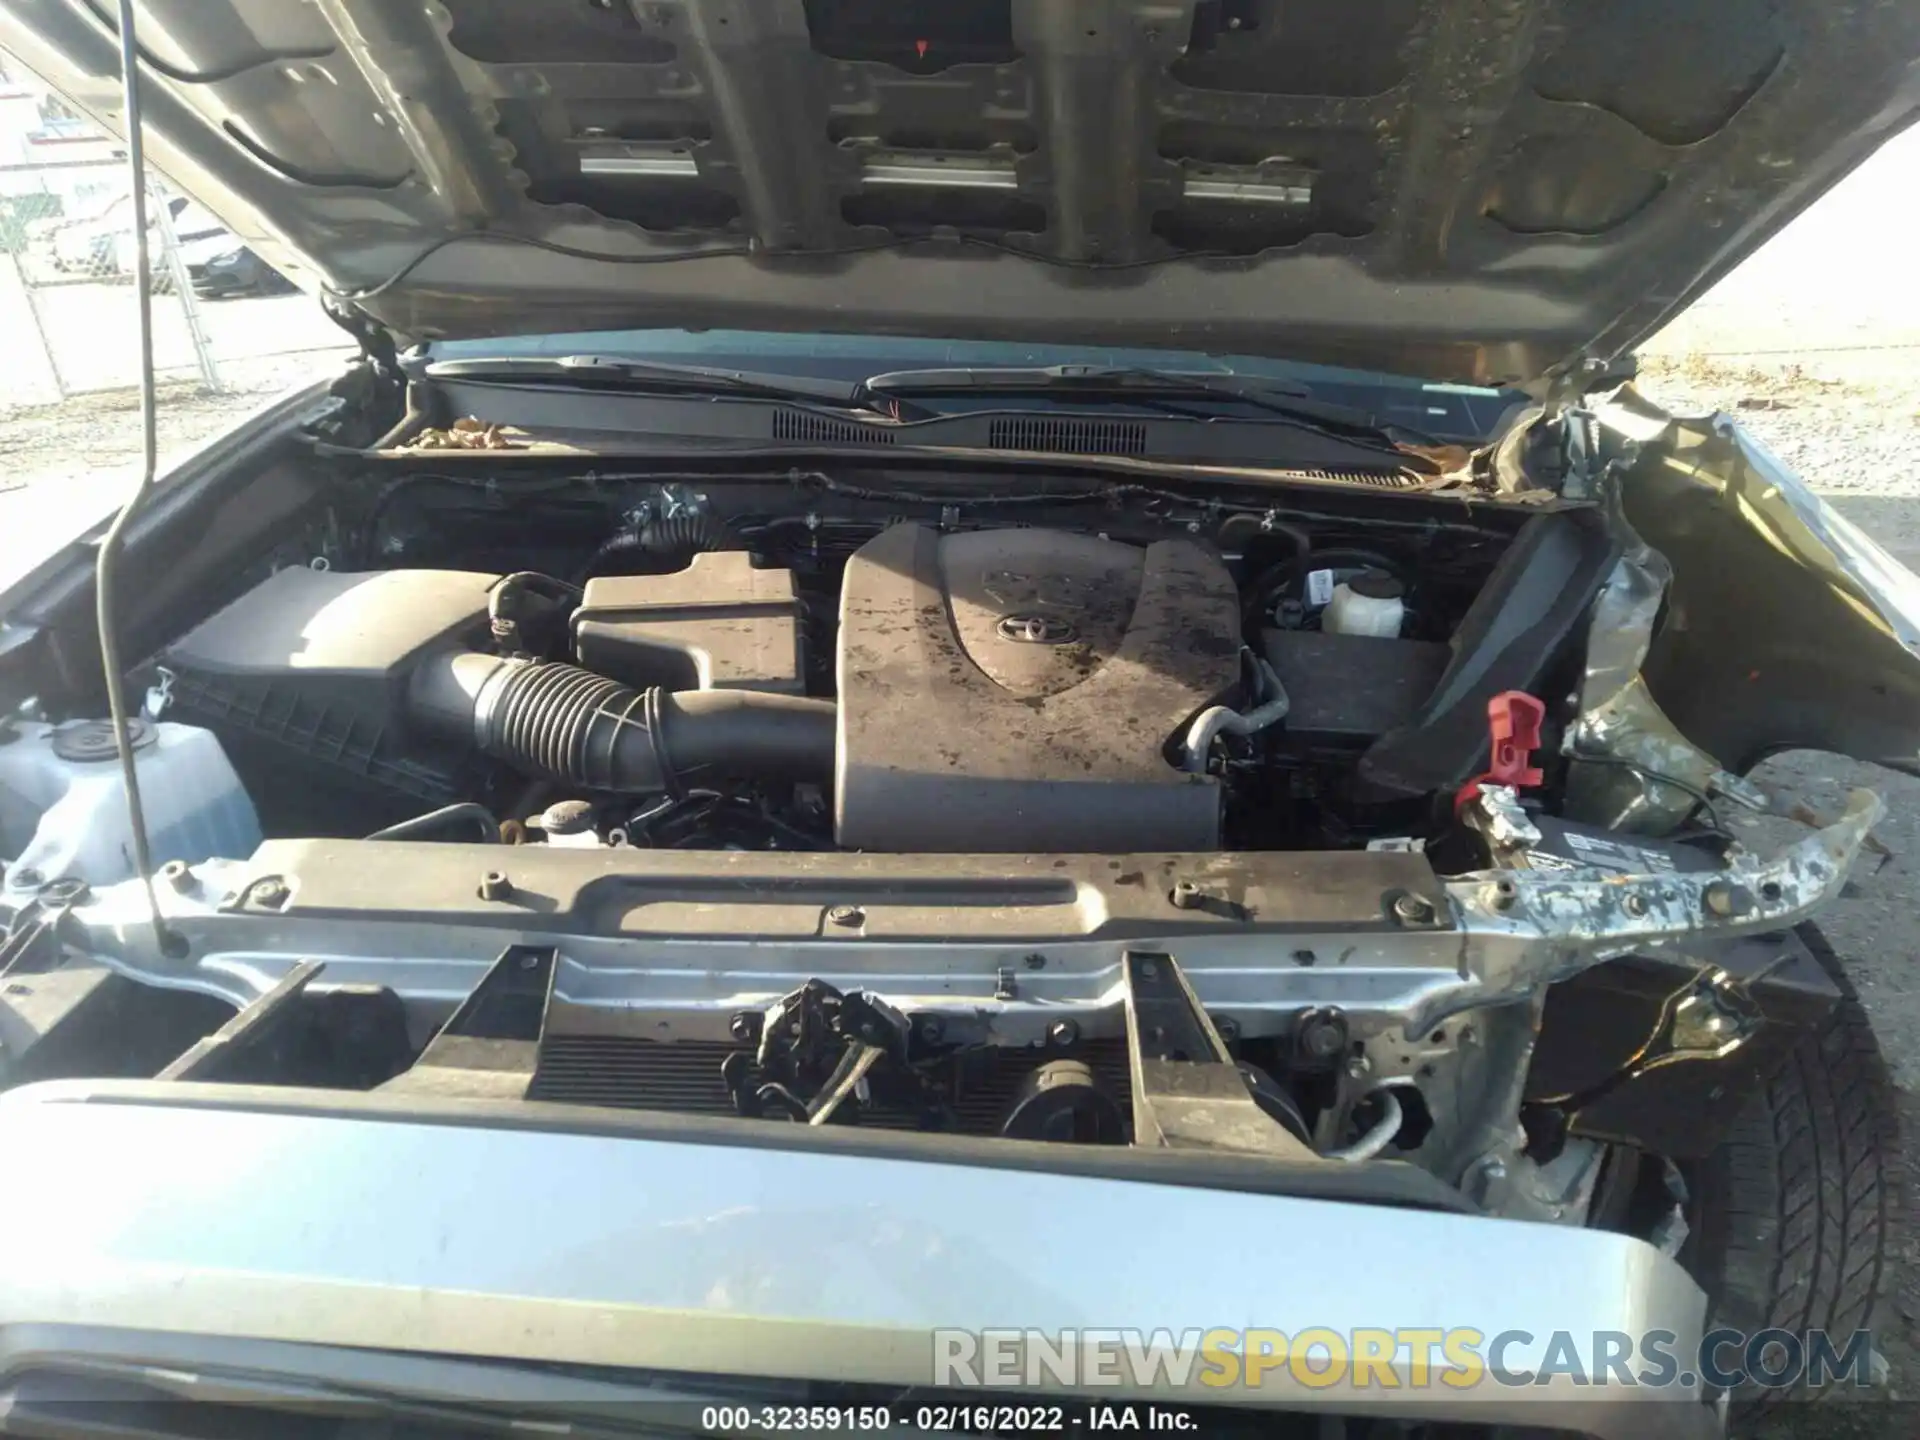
x=95 y=437
x=1848 y=422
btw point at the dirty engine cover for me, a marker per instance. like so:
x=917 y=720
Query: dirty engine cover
x=1016 y=689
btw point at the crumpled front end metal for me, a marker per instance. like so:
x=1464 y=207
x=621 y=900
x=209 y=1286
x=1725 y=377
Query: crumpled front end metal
x=1784 y=626
x=1621 y=742
x=1560 y=923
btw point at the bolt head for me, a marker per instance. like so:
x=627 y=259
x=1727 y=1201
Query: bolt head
x=67 y=890
x=1727 y=901
x=1636 y=905
x=846 y=916
x=1321 y=1038
x=741 y=1026
x=1411 y=909
x=1227 y=1027
x=1359 y=1067
x=1063 y=1032
x=271 y=893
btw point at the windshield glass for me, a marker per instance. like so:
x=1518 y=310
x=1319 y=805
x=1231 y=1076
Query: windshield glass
x=1453 y=411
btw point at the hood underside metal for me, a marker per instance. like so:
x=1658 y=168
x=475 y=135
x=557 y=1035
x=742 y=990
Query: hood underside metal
x=1480 y=190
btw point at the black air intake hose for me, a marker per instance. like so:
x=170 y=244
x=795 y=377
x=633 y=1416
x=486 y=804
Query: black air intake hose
x=582 y=729
x=668 y=544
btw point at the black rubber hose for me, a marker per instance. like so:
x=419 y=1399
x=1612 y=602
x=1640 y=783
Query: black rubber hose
x=677 y=539
x=1260 y=593
x=585 y=730
x=688 y=534
x=436 y=822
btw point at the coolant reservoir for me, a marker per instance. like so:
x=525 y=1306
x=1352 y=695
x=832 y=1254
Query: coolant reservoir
x=1370 y=604
x=63 y=807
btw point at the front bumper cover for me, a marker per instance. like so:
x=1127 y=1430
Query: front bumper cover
x=555 y=1235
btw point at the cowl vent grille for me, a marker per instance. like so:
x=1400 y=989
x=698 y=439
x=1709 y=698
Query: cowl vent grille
x=1072 y=437
x=1379 y=479
x=823 y=429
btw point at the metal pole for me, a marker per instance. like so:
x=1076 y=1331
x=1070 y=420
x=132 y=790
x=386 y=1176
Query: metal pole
x=106 y=564
x=183 y=290
x=32 y=302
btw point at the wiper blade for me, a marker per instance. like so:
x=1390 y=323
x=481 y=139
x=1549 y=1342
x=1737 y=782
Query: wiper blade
x=651 y=378
x=1288 y=403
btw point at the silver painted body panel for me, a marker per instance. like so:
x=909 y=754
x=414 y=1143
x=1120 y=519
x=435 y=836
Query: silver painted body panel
x=464 y=1231
x=671 y=944
x=1495 y=193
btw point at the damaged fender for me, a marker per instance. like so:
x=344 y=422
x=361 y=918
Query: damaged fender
x=1785 y=626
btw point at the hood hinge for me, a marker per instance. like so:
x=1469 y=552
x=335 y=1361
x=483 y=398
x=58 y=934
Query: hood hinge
x=1569 y=386
x=375 y=340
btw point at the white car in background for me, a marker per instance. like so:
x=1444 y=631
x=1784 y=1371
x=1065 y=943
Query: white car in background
x=197 y=232
x=92 y=244
x=101 y=245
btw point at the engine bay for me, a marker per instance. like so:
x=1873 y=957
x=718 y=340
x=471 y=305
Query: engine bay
x=1210 y=817
x=905 y=678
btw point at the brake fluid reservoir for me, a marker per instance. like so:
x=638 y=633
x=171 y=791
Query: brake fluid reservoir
x=63 y=806
x=1370 y=604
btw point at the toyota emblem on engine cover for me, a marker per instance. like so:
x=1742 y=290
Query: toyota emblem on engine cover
x=1037 y=630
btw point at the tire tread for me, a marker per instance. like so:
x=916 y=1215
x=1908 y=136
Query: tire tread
x=1793 y=1209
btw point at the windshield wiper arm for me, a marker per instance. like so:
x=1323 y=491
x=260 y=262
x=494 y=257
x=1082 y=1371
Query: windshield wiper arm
x=1288 y=403
x=650 y=377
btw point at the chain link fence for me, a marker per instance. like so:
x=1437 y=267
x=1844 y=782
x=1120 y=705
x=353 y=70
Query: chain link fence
x=67 y=262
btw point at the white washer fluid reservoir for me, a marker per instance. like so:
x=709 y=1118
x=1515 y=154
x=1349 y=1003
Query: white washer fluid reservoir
x=63 y=807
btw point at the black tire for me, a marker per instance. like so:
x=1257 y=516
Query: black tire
x=1791 y=1215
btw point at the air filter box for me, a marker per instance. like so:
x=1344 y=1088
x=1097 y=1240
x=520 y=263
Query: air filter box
x=317 y=662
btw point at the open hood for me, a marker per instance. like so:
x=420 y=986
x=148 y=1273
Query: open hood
x=1473 y=190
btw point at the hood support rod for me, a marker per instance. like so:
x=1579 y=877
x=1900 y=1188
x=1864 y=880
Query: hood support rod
x=110 y=548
